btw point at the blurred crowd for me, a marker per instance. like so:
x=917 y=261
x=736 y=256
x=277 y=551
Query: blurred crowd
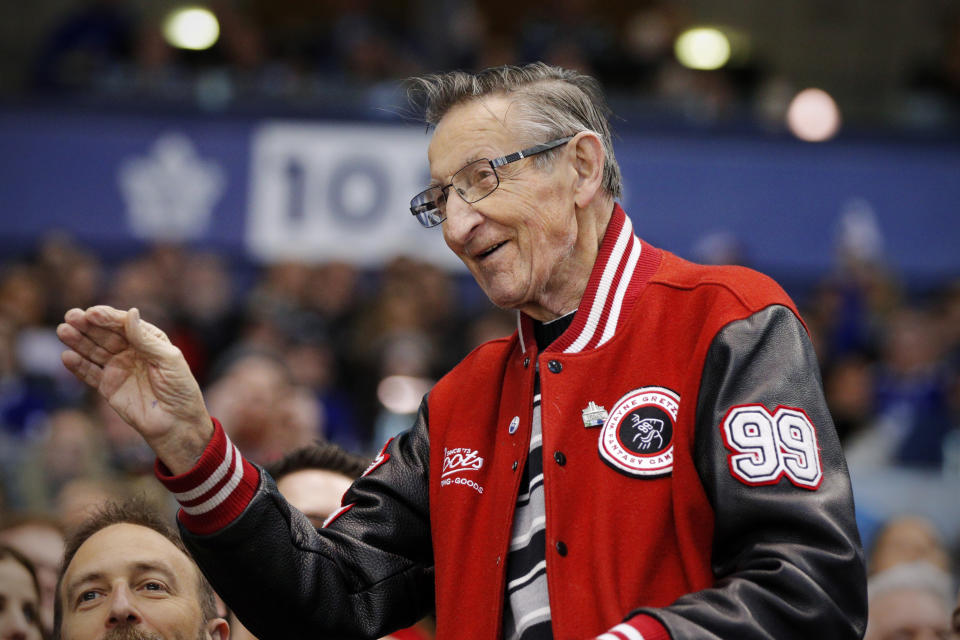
x=327 y=53
x=285 y=354
x=292 y=353
x=315 y=51
x=290 y=48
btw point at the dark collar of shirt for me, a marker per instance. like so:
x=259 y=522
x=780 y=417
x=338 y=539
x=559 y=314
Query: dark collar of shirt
x=546 y=332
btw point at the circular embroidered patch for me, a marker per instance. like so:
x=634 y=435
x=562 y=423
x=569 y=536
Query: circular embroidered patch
x=637 y=437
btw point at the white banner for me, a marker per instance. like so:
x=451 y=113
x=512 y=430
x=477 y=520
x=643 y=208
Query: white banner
x=323 y=192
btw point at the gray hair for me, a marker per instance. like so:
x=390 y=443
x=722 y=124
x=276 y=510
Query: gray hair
x=551 y=102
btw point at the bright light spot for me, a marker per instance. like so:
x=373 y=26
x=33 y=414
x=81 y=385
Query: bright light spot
x=193 y=28
x=402 y=394
x=702 y=48
x=813 y=116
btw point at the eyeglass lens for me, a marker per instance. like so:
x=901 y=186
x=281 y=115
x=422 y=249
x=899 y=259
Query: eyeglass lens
x=473 y=182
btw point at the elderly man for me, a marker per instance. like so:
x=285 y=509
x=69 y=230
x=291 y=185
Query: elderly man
x=648 y=456
x=127 y=576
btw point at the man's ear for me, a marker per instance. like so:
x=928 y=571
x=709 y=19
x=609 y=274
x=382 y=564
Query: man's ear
x=589 y=160
x=218 y=629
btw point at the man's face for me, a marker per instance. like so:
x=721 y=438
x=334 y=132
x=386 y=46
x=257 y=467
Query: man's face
x=43 y=545
x=520 y=242
x=907 y=614
x=128 y=582
x=315 y=492
x=19 y=602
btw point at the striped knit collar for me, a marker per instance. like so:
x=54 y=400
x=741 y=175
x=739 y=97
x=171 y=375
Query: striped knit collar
x=624 y=265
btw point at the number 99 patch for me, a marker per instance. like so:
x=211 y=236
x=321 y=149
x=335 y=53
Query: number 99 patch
x=766 y=447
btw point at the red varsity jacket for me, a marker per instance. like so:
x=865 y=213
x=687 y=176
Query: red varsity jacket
x=694 y=485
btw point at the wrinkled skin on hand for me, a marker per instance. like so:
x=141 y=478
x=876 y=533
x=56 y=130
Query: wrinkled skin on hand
x=143 y=376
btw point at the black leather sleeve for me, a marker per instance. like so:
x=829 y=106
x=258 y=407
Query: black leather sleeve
x=367 y=574
x=787 y=559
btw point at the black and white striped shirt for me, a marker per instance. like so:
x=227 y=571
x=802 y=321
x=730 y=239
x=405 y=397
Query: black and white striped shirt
x=527 y=610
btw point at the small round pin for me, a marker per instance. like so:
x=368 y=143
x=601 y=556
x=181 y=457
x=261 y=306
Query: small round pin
x=514 y=425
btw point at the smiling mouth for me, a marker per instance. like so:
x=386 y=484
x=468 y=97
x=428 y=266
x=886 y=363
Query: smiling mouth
x=485 y=254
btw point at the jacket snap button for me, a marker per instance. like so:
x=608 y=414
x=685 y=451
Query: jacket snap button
x=560 y=458
x=555 y=366
x=561 y=548
x=526 y=362
x=514 y=465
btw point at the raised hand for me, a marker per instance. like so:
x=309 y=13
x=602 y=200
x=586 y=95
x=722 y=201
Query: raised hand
x=142 y=376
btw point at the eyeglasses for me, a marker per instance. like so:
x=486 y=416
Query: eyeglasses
x=473 y=183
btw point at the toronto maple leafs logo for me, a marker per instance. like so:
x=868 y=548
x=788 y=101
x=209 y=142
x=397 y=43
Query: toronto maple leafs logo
x=647 y=432
x=171 y=192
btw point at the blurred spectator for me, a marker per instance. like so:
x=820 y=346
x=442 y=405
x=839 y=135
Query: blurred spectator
x=80 y=497
x=905 y=540
x=260 y=406
x=71 y=448
x=494 y=323
x=73 y=276
x=849 y=386
x=333 y=292
x=204 y=311
x=933 y=91
x=19 y=598
x=955 y=620
x=23 y=302
x=89 y=43
x=909 y=602
x=370 y=45
x=313 y=478
x=647 y=44
x=24 y=399
x=39 y=539
x=127 y=453
x=720 y=247
x=139 y=283
x=314 y=368
x=912 y=387
x=571 y=33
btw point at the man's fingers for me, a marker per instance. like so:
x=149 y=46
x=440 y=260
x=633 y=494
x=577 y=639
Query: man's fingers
x=86 y=371
x=109 y=337
x=73 y=338
x=107 y=316
x=145 y=337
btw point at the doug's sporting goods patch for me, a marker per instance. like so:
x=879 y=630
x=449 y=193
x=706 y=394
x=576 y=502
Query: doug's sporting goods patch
x=637 y=436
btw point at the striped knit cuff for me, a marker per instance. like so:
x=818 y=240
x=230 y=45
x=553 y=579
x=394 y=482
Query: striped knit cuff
x=216 y=490
x=639 y=627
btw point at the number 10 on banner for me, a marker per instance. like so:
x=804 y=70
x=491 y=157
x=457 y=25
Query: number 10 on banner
x=768 y=446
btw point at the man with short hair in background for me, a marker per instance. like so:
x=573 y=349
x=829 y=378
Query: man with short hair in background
x=127 y=576
x=909 y=601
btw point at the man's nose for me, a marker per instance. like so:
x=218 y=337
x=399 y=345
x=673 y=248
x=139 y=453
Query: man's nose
x=462 y=219
x=122 y=608
x=19 y=625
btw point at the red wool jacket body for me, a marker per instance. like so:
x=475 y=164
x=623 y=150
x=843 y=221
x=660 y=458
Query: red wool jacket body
x=693 y=483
